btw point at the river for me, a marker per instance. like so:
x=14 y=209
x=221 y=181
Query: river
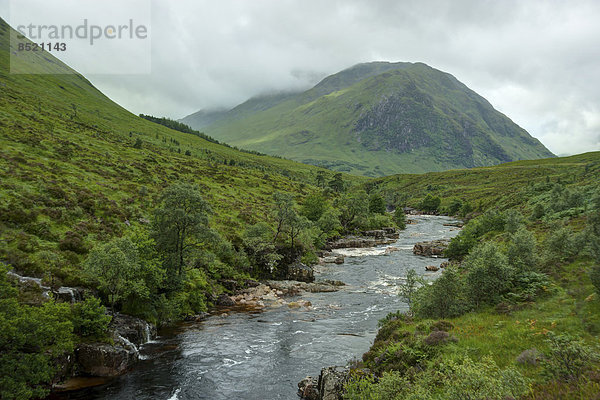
x=263 y=355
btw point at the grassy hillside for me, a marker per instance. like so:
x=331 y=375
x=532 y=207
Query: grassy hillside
x=69 y=158
x=517 y=313
x=378 y=119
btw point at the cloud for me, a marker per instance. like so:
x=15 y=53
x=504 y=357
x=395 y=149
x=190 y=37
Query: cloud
x=536 y=61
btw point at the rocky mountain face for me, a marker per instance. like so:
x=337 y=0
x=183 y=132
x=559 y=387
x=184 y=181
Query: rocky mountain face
x=376 y=119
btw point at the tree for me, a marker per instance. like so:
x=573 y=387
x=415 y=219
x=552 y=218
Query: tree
x=116 y=268
x=313 y=207
x=352 y=206
x=320 y=179
x=445 y=298
x=138 y=144
x=430 y=203
x=329 y=223
x=522 y=251
x=258 y=242
x=489 y=274
x=513 y=220
x=90 y=319
x=376 y=204
x=408 y=289
x=400 y=217
x=180 y=225
x=538 y=212
x=454 y=207
x=283 y=212
x=337 y=183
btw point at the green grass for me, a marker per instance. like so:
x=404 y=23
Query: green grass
x=68 y=163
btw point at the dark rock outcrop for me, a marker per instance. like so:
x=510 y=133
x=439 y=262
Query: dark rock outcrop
x=224 y=301
x=368 y=239
x=434 y=248
x=308 y=388
x=329 y=386
x=300 y=272
x=135 y=330
x=101 y=359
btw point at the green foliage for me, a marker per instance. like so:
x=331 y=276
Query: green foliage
x=400 y=218
x=457 y=380
x=376 y=204
x=337 y=183
x=408 y=288
x=430 y=203
x=488 y=274
x=180 y=226
x=522 y=251
x=30 y=339
x=116 y=268
x=314 y=206
x=567 y=358
x=329 y=223
x=258 y=242
x=353 y=207
x=90 y=319
x=454 y=207
x=444 y=298
x=513 y=220
x=560 y=246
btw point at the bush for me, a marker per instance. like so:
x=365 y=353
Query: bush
x=457 y=380
x=595 y=277
x=400 y=218
x=376 y=204
x=560 y=246
x=430 y=204
x=567 y=358
x=90 y=319
x=445 y=298
x=513 y=220
x=522 y=251
x=489 y=275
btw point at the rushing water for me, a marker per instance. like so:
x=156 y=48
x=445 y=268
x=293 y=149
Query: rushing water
x=263 y=355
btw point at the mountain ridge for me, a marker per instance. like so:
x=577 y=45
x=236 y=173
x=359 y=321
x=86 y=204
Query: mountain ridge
x=378 y=119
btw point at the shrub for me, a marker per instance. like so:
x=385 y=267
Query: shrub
x=560 y=246
x=73 y=241
x=430 y=203
x=513 y=220
x=400 y=218
x=522 y=251
x=567 y=358
x=595 y=277
x=445 y=298
x=90 y=319
x=529 y=357
x=376 y=204
x=489 y=275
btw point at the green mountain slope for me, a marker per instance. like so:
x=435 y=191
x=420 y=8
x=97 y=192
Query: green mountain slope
x=69 y=162
x=378 y=119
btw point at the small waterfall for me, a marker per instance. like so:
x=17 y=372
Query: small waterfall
x=147 y=337
x=129 y=344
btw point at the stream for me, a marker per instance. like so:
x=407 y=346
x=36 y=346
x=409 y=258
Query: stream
x=264 y=354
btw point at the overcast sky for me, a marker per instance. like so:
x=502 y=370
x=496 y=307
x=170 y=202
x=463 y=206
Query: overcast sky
x=536 y=61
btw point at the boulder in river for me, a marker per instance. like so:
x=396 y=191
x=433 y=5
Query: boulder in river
x=102 y=359
x=300 y=272
x=432 y=268
x=308 y=388
x=434 y=248
x=331 y=383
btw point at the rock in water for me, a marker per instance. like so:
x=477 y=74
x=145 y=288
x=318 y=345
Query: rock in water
x=308 y=388
x=434 y=248
x=101 y=359
x=432 y=268
x=331 y=383
x=300 y=272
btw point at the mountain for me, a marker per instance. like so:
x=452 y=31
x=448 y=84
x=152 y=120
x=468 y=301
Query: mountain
x=377 y=119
